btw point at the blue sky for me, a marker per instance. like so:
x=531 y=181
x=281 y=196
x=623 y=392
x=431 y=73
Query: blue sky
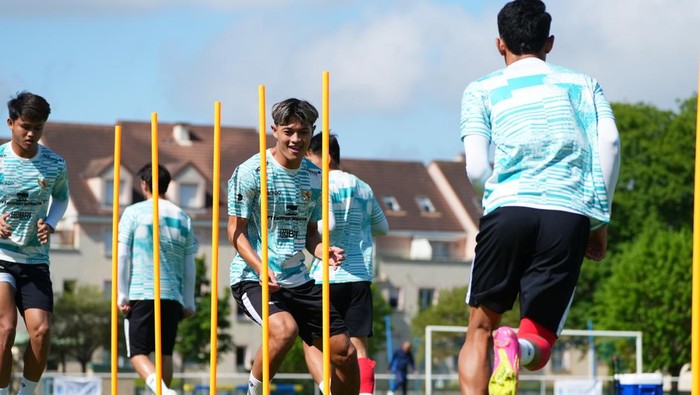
x=397 y=68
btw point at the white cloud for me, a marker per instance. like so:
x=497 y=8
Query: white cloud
x=639 y=50
x=418 y=53
x=382 y=62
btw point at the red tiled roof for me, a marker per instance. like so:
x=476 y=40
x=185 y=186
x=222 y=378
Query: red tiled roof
x=405 y=181
x=88 y=150
x=86 y=147
x=456 y=174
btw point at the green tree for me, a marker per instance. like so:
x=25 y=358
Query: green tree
x=650 y=290
x=194 y=333
x=81 y=324
x=656 y=175
x=656 y=181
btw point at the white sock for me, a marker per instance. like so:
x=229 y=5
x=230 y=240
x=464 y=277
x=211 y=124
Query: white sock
x=320 y=387
x=254 y=387
x=151 y=383
x=5 y=391
x=27 y=387
x=527 y=352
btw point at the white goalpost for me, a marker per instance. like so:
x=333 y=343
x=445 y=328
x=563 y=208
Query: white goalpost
x=430 y=329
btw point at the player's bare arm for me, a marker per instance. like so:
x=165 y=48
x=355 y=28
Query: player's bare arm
x=5 y=228
x=239 y=241
x=43 y=231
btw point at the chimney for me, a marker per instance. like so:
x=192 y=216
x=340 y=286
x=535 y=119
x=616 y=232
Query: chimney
x=181 y=134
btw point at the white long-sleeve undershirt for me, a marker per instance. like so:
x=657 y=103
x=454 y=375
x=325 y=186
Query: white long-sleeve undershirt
x=124 y=274
x=476 y=148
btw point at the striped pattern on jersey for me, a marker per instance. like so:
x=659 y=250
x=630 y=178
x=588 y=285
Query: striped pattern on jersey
x=542 y=121
x=294 y=200
x=26 y=185
x=177 y=240
x=356 y=210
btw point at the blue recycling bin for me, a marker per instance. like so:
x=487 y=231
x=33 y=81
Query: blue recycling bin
x=641 y=384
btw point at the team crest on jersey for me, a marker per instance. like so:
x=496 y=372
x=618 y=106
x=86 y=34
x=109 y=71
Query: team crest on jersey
x=306 y=195
x=43 y=183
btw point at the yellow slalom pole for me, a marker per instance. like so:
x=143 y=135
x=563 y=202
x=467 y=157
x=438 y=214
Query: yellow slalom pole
x=156 y=251
x=695 y=348
x=325 y=237
x=263 y=239
x=216 y=176
x=115 y=258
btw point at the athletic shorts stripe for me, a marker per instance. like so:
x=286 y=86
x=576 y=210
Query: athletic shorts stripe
x=303 y=302
x=248 y=306
x=533 y=253
x=126 y=338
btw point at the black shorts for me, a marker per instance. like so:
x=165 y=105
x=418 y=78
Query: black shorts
x=304 y=303
x=532 y=252
x=33 y=288
x=139 y=327
x=353 y=301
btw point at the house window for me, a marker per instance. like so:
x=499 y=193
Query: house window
x=391 y=203
x=394 y=298
x=107 y=242
x=69 y=286
x=425 y=298
x=108 y=197
x=426 y=206
x=441 y=249
x=558 y=359
x=62 y=239
x=107 y=289
x=188 y=195
x=241 y=352
x=240 y=313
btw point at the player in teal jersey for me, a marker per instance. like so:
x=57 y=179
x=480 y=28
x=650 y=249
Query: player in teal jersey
x=294 y=207
x=178 y=247
x=547 y=198
x=33 y=198
x=358 y=217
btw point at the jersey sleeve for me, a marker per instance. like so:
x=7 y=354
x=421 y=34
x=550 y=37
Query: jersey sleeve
x=317 y=213
x=602 y=106
x=377 y=215
x=475 y=117
x=126 y=228
x=60 y=189
x=191 y=244
x=242 y=189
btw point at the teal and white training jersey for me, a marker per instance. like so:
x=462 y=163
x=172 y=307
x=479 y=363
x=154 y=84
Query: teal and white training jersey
x=355 y=210
x=542 y=121
x=177 y=240
x=25 y=188
x=294 y=200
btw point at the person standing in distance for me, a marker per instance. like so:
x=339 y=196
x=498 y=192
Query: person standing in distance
x=33 y=198
x=358 y=217
x=178 y=247
x=547 y=200
x=401 y=362
x=294 y=207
